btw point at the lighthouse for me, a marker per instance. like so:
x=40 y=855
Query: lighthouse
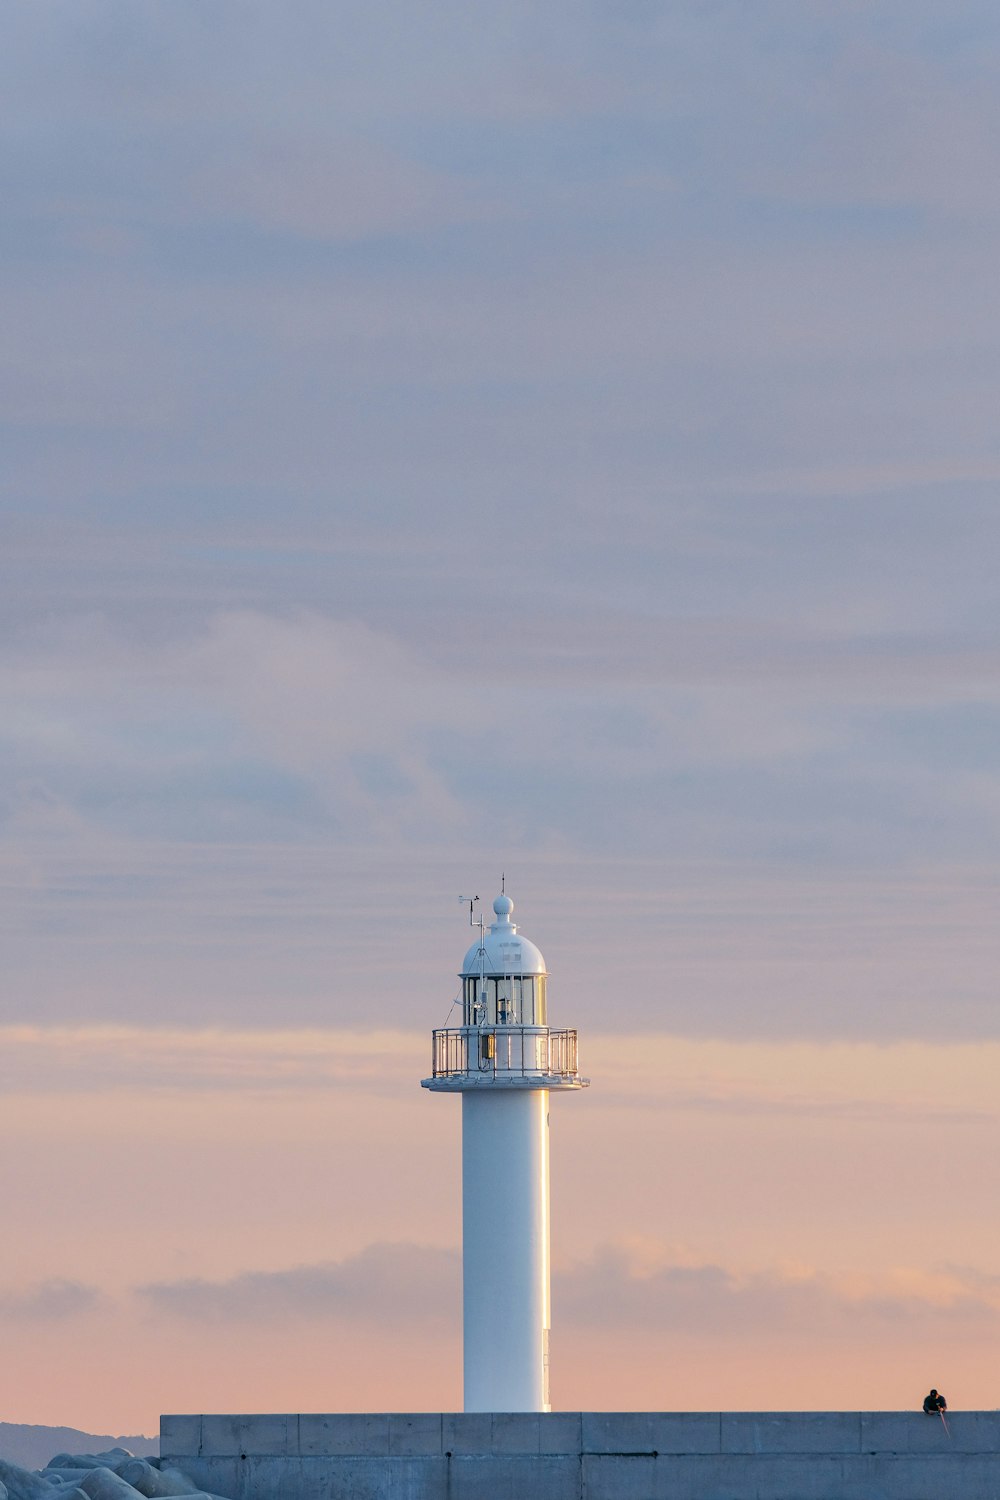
x=505 y=1062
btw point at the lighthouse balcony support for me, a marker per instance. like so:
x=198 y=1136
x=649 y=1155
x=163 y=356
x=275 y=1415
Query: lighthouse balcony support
x=513 y=1056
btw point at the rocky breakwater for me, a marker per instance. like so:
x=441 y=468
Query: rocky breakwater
x=114 y=1475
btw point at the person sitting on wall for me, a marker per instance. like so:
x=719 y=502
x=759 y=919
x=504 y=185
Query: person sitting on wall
x=933 y=1403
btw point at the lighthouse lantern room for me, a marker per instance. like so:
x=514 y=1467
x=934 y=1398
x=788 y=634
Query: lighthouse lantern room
x=505 y=1061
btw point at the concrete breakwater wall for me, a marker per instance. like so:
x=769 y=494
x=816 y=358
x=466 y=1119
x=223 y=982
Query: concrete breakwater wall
x=590 y=1456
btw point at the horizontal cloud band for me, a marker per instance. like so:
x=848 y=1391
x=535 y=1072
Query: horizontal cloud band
x=419 y=1284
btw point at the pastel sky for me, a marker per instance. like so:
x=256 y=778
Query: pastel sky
x=441 y=441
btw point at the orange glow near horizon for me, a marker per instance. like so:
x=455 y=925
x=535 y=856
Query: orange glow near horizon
x=253 y=1220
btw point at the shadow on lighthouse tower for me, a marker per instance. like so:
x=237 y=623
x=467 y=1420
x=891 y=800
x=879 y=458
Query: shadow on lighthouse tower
x=505 y=1061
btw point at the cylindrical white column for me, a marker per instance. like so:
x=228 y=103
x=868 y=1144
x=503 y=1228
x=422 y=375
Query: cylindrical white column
x=505 y=1248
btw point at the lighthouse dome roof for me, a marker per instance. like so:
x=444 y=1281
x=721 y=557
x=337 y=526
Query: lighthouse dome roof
x=503 y=950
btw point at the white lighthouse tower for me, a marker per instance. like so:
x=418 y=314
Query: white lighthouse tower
x=505 y=1062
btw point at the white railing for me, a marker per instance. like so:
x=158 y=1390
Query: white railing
x=505 y=1051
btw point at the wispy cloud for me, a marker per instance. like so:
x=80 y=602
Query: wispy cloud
x=385 y=1283
x=100 y=1058
x=51 y=1301
x=635 y=1288
x=629 y=1287
x=341 y=192
x=901 y=1083
x=304 y=726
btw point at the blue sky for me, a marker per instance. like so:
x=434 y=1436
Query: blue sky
x=565 y=435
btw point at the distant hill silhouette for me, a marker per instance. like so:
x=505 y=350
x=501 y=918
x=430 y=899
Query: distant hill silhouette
x=32 y=1447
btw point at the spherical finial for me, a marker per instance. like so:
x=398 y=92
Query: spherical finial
x=503 y=906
